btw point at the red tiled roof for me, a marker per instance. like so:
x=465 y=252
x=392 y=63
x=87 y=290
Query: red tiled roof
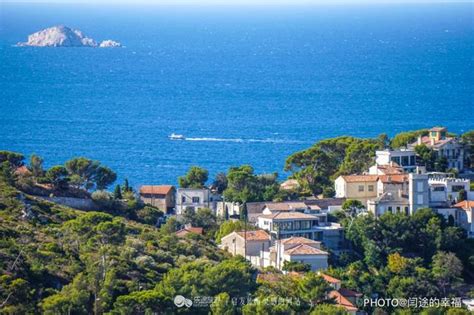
x=304 y=249
x=342 y=301
x=330 y=279
x=258 y=235
x=298 y=240
x=187 y=230
x=466 y=204
x=427 y=141
x=360 y=178
x=285 y=206
x=397 y=179
x=156 y=189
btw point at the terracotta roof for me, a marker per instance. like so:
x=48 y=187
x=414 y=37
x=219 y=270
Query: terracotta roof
x=156 y=189
x=304 y=249
x=288 y=216
x=342 y=301
x=330 y=279
x=22 y=170
x=360 y=178
x=298 y=240
x=258 y=235
x=427 y=141
x=396 y=179
x=438 y=129
x=466 y=204
x=187 y=230
x=390 y=169
x=349 y=293
x=290 y=184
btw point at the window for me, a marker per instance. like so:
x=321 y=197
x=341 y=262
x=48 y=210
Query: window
x=405 y=160
x=398 y=209
x=419 y=199
x=195 y=199
x=389 y=209
x=371 y=187
x=361 y=187
x=406 y=211
x=457 y=188
x=439 y=188
x=183 y=199
x=419 y=186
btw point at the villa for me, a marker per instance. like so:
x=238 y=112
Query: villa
x=160 y=196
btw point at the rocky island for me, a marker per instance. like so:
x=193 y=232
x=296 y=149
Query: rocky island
x=63 y=36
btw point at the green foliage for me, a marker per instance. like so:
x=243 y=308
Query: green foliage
x=88 y=174
x=36 y=166
x=15 y=159
x=195 y=178
x=447 y=269
x=243 y=185
x=462 y=195
x=222 y=305
x=468 y=141
x=296 y=266
x=149 y=215
x=328 y=309
x=316 y=167
x=220 y=182
x=228 y=227
x=404 y=138
x=57 y=176
x=118 y=192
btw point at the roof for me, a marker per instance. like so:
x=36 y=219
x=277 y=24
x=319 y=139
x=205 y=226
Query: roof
x=466 y=204
x=437 y=143
x=298 y=240
x=304 y=249
x=342 y=301
x=288 y=216
x=349 y=293
x=258 y=235
x=290 y=184
x=394 y=179
x=360 y=178
x=390 y=169
x=255 y=207
x=156 y=189
x=438 y=129
x=330 y=279
x=285 y=206
x=325 y=203
x=185 y=231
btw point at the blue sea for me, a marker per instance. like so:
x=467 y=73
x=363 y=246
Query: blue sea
x=244 y=85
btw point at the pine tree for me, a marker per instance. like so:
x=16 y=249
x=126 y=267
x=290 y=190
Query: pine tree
x=117 y=192
x=126 y=186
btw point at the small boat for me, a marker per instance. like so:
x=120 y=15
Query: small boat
x=174 y=136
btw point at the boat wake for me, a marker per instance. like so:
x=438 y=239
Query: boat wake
x=240 y=140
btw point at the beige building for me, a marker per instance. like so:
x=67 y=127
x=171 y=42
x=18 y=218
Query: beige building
x=357 y=187
x=248 y=244
x=159 y=196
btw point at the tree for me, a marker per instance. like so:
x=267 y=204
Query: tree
x=126 y=186
x=328 y=309
x=87 y=173
x=222 y=305
x=447 y=269
x=15 y=159
x=426 y=155
x=441 y=164
x=195 y=178
x=296 y=266
x=313 y=288
x=404 y=138
x=36 y=166
x=220 y=182
x=462 y=195
x=57 y=176
x=117 y=192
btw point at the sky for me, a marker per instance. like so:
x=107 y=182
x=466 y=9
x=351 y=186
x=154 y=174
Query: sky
x=233 y=2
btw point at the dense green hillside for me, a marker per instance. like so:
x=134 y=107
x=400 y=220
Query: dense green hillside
x=60 y=260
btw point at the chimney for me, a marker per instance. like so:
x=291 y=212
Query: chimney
x=432 y=141
x=419 y=140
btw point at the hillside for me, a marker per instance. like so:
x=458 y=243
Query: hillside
x=59 y=260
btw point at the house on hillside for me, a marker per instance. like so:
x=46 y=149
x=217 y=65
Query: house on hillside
x=248 y=244
x=444 y=146
x=196 y=198
x=159 y=196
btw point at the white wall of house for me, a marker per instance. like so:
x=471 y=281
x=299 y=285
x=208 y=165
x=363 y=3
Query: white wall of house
x=317 y=262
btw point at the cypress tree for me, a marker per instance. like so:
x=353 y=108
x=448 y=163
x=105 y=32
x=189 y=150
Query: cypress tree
x=117 y=192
